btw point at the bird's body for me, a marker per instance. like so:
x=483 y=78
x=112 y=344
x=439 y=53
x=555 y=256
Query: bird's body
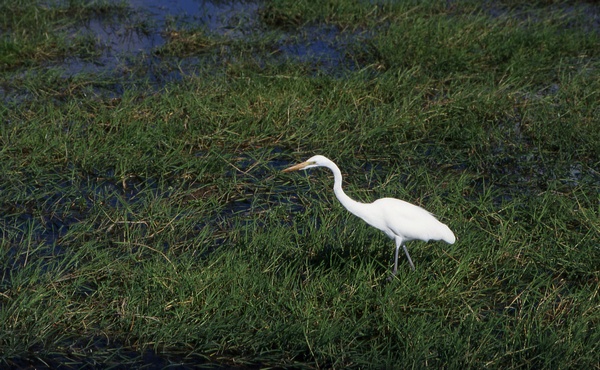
x=399 y=220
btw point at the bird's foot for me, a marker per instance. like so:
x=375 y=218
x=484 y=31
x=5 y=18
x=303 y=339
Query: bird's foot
x=391 y=277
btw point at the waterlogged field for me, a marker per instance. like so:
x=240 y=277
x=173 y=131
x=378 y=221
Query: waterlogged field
x=145 y=219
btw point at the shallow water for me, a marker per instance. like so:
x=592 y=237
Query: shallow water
x=138 y=35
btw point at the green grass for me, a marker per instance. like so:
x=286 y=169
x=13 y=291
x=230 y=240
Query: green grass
x=149 y=216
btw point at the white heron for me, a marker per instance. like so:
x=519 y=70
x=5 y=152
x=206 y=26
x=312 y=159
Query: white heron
x=399 y=220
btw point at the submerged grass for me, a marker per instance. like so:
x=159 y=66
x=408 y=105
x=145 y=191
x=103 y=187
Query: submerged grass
x=157 y=219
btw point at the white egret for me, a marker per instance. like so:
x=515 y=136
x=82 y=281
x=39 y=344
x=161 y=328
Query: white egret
x=399 y=220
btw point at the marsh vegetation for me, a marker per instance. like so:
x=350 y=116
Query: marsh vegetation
x=145 y=219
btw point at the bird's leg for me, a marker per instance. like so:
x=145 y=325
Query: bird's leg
x=391 y=277
x=396 y=259
x=412 y=266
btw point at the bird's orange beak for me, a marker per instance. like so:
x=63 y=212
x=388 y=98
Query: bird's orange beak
x=297 y=167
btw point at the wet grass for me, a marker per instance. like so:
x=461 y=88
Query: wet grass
x=145 y=219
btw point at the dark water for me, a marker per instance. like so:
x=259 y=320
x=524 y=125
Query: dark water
x=140 y=33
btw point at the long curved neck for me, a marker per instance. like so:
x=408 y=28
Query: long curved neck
x=350 y=204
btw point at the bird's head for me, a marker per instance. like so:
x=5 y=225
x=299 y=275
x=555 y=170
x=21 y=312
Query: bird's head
x=316 y=161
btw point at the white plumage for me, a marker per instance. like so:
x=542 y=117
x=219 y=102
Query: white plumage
x=399 y=220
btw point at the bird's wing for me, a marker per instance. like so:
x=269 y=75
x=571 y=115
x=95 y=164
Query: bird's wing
x=411 y=222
